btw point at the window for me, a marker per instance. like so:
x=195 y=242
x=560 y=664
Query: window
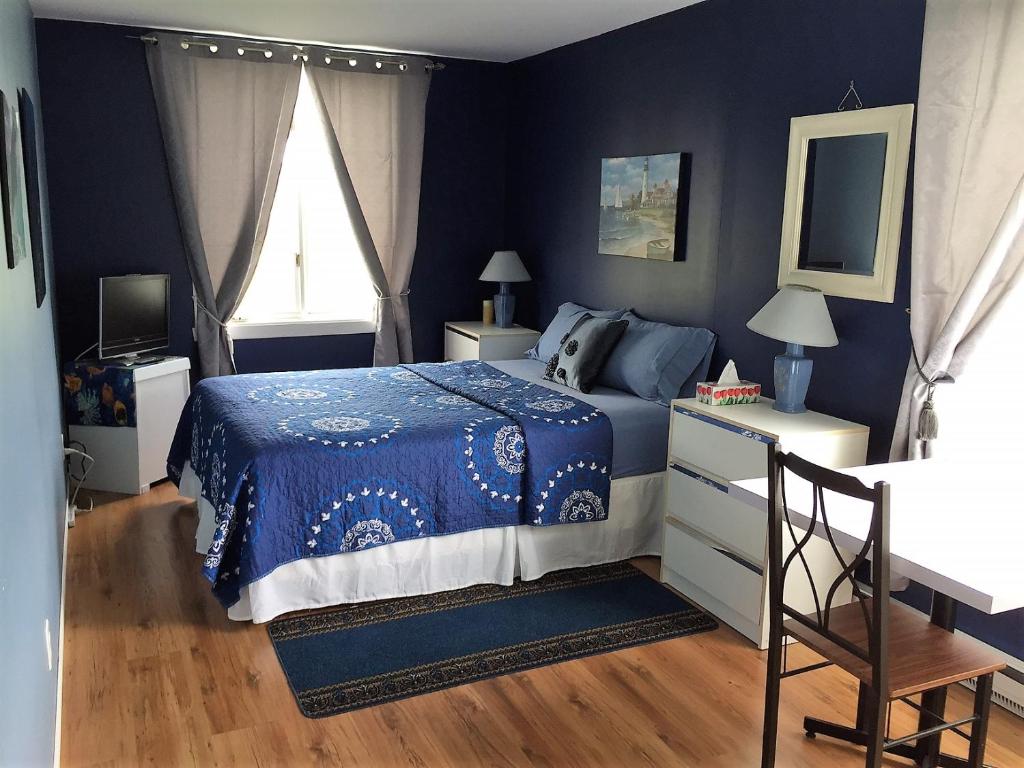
x=980 y=415
x=310 y=278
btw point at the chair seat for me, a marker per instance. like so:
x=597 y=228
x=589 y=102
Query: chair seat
x=922 y=656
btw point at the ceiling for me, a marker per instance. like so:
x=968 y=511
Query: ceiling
x=493 y=30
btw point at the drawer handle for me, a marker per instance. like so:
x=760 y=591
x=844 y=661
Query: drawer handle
x=711 y=544
x=747 y=433
x=700 y=478
x=460 y=333
x=737 y=559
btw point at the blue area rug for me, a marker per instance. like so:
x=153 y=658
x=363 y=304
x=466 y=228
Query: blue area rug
x=371 y=653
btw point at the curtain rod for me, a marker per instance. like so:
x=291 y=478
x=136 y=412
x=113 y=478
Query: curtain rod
x=246 y=45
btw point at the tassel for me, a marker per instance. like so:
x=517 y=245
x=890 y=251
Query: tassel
x=928 y=421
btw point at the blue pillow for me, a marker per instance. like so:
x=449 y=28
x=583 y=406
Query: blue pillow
x=567 y=316
x=657 y=361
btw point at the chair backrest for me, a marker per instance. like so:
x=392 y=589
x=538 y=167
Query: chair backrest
x=875 y=607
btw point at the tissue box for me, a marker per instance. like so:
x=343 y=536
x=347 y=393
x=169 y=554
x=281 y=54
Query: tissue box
x=713 y=393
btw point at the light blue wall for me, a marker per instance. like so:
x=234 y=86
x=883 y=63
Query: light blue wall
x=31 y=468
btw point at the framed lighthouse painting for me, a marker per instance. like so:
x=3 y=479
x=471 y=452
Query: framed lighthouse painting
x=644 y=206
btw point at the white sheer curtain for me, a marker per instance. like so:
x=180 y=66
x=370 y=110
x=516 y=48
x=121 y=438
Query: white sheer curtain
x=968 y=202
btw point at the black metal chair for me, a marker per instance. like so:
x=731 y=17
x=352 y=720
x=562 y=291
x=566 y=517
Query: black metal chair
x=893 y=651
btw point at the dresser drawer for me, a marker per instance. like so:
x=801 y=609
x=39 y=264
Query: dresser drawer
x=732 y=583
x=722 y=449
x=458 y=346
x=703 y=504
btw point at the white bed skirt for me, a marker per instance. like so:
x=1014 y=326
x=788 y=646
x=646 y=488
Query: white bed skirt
x=439 y=563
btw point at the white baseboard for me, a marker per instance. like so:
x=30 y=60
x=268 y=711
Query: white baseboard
x=60 y=641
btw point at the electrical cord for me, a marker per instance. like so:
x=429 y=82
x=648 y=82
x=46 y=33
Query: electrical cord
x=86 y=351
x=84 y=457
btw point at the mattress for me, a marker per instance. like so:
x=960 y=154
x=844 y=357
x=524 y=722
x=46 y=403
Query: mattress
x=639 y=427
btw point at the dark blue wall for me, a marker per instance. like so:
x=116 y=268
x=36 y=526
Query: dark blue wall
x=110 y=198
x=720 y=79
x=113 y=212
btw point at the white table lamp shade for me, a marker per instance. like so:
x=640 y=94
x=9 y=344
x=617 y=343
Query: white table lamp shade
x=505 y=267
x=796 y=315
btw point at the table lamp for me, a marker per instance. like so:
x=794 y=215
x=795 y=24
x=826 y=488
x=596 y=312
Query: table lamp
x=505 y=267
x=799 y=316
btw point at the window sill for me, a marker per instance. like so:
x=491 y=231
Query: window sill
x=293 y=328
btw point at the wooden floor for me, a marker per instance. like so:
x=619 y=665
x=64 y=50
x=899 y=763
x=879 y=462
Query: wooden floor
x=155 y=674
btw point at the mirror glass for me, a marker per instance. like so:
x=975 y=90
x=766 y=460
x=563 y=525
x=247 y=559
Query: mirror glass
x=842 y=197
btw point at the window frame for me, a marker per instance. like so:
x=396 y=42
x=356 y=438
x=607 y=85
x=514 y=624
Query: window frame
x=301 y=323
x=276 y=329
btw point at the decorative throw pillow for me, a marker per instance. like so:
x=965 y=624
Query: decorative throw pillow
x=583 y=351
x=564 y=320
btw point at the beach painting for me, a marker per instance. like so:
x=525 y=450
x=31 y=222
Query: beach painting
x=641 y=205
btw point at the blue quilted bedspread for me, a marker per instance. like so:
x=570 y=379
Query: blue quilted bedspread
x=315 y=463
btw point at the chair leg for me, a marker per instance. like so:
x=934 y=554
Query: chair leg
x=863 y=694
x=875 y=713
x=772 y=689
x=979 y=729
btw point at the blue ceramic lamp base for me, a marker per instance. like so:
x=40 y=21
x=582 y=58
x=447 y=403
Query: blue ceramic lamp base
x=792 y=377
x=504 y=306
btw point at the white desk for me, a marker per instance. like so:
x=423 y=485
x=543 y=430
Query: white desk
x=956 y=528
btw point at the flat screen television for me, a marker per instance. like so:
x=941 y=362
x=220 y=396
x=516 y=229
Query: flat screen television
x=134 y=315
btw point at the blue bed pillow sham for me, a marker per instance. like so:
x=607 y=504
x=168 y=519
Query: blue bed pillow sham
x=657 y=361
x=567 y=316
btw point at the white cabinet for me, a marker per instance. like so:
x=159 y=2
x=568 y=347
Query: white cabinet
x=715 y=550
x=476 y=341
x=128 y=459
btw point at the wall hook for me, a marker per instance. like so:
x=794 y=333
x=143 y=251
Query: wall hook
x=851 y=90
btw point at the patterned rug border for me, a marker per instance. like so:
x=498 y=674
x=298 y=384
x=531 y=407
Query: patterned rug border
x=450 y=673
x=377 y=612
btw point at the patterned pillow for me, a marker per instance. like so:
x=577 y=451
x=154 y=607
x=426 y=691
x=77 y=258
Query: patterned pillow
x=583 y=351
x=566 y=318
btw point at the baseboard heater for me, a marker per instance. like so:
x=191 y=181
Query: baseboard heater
x=1007 y=687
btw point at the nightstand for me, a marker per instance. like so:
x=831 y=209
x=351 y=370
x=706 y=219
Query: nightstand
x=476 y=341
x=716 y=548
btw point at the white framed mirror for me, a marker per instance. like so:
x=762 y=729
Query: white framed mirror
x=845 y=186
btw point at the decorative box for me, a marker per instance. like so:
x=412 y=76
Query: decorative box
x=740 y=393
x=98 y=395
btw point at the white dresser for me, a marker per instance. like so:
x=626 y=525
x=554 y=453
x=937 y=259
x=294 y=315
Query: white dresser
x=128 y=459
x=476 y=341
x=715 y=548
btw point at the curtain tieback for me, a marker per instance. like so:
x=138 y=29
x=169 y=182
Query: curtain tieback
x=212 y=316
x=928 y=420
x=389 y=298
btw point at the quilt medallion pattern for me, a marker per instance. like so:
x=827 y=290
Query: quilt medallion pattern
x=317 y=463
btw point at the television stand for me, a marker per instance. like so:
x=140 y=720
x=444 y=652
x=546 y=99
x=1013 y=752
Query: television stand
x=131 y=457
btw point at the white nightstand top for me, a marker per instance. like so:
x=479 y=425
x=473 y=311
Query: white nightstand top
x=761 y=417
x=476 y=329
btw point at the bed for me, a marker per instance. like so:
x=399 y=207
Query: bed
x=328 y=487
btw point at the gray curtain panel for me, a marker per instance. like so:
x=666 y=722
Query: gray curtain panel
x=377 y=120
x=225 y=121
